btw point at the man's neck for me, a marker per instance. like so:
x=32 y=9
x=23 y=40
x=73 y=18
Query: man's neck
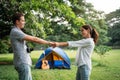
x=17 y=26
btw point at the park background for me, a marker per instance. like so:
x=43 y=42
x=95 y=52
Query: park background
x=60 y=20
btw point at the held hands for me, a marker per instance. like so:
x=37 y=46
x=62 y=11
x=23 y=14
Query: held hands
x=53 y=44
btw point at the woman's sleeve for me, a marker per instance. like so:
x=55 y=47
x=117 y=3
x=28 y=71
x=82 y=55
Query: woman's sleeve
x=80 y=43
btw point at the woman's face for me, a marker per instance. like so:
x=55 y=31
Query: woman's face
x=85 y=33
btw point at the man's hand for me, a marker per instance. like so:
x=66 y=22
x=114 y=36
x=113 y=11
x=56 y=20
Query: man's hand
x=53 y=44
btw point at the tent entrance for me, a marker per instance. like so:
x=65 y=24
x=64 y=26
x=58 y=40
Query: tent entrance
x=54 y=60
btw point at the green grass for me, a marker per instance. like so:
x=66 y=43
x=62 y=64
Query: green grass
x=109 y=71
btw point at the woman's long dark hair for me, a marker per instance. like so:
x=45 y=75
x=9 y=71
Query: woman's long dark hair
x=94 y=34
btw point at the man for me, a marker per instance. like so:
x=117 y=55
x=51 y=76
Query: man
x=22 y=60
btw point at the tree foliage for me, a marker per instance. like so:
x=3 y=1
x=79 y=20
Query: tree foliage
x=113 y=19
x=55 y=20
x=114 y=33
x=92 y=17
x=7 y=8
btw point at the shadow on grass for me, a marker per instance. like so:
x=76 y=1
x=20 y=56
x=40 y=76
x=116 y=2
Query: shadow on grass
x=5 y=61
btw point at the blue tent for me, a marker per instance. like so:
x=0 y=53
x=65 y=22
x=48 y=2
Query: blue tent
x=56 y=58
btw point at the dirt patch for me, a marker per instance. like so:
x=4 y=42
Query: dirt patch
x=6 y=63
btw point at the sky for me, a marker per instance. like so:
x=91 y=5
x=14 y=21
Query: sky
x=105 y=5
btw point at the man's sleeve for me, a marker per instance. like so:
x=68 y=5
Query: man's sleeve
x=18 y=35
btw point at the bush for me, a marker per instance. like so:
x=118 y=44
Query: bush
x=101 y=51
x=3 y=47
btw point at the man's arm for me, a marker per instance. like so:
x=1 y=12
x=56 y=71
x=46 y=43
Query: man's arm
x=35 y=39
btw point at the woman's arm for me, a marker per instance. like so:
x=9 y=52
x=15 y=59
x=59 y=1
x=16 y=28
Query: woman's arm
x=61 y=43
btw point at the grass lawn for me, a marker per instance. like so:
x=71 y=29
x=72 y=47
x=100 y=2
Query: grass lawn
x=107 y=68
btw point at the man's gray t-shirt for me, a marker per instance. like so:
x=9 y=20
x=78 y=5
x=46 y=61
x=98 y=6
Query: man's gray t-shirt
x=19 y=47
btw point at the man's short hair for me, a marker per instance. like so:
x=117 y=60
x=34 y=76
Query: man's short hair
x=16 y=16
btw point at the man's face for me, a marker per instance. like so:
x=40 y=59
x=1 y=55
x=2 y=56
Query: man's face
x=21 y=23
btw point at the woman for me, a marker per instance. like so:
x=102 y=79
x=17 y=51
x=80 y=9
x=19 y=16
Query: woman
x=85 y=49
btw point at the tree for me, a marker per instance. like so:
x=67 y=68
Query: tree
x=101 y=50
x=92 y=17
x=113 y=19
x=7 y=8
x=55 y=20
x=114 y=33
x=40 y=17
